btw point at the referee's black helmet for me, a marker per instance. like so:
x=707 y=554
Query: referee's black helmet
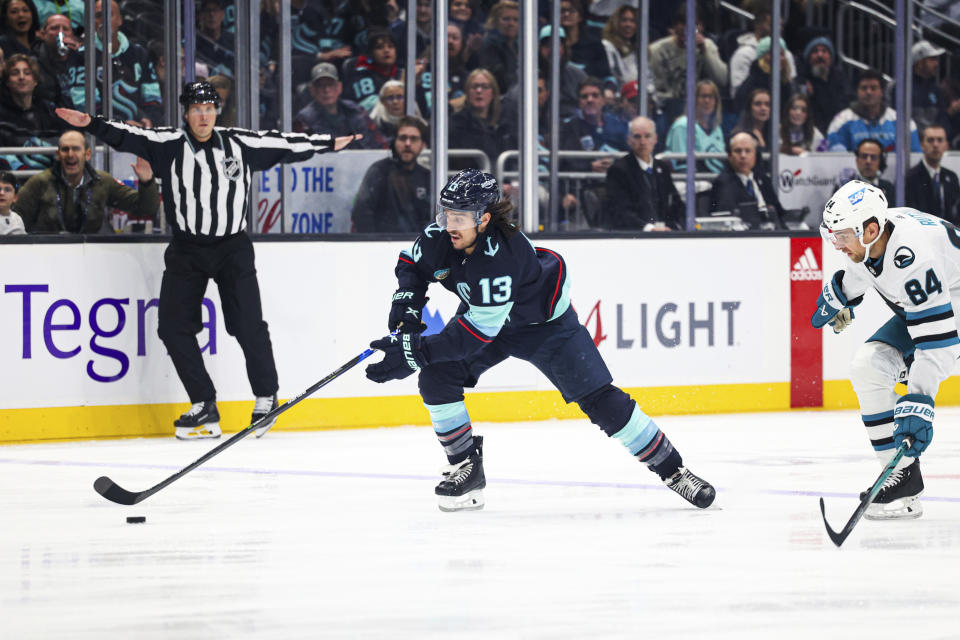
x=200 y=93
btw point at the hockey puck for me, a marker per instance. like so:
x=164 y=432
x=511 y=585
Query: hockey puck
x=136 y=519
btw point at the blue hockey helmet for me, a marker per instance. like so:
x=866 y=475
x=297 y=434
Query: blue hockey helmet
x=469 y=192
x=200 y=93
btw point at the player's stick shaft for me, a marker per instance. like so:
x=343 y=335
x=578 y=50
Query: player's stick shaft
x=115 y=493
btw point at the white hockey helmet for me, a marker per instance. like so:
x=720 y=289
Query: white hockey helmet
x=851 y=207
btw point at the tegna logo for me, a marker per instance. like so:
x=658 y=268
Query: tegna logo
x=806 y=268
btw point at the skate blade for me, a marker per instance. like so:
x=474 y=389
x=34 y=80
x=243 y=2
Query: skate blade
x=207 y=431
x=906 y=511
x=262 y=431
x=472 y=501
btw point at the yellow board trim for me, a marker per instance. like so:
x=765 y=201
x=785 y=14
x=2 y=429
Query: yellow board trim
x=120 y=421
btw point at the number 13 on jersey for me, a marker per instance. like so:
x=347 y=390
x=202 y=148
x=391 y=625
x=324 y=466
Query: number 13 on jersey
x=501 y=289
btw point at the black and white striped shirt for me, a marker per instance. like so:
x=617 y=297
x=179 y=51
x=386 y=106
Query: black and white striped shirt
x=205 y=184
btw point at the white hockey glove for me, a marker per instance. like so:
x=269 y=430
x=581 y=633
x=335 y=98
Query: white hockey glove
x=842 y=320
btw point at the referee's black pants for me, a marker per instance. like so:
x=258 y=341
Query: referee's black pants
x=189 y=266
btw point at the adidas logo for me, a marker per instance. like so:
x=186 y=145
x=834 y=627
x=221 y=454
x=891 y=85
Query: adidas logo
x=806 y=268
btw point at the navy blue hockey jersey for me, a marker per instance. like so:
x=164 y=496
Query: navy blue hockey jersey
x=505 y=283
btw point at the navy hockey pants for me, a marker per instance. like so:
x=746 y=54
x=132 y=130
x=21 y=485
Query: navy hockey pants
x=562 y=350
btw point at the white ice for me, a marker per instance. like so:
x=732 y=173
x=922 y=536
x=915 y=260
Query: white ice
x=337 y=535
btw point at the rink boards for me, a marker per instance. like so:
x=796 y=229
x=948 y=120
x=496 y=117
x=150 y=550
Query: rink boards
x=687 y=325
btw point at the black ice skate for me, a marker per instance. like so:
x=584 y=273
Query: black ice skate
x=261 y=407
x=899 y=498
x=691 y=488
x=202 y=420
x=462 y=486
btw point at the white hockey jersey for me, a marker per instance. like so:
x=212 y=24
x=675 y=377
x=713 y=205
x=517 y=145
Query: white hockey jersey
x=919 y=278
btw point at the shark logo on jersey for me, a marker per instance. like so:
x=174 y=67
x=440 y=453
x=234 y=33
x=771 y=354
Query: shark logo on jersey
x=491 y=249
x=463 y=290
x=857 y=196
x=903 y=258
x=440 y=274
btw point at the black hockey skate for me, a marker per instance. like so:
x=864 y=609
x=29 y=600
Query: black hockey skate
x=261 y=407
x=202 y=420
x=462 y=486
x=899 y=498
x=691 y=488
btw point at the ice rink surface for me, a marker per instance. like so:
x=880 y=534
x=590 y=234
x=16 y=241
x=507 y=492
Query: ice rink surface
x=337 y=535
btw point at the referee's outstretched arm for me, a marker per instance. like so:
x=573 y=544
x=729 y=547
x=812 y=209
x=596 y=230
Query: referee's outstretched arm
x=141 y=140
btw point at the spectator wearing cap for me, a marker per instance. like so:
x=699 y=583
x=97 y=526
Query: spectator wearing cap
x=628 y=107
x=620 y=43
x=930 y=105
x=867 y=117
x=826 y=84
x=570 y=78
x=329 y=113
x=761 y=75
x=708 y=136
x=746 y=52
x=374 y=68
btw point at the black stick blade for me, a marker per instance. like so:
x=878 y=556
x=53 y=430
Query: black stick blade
x=837 y=538
x=114 y=492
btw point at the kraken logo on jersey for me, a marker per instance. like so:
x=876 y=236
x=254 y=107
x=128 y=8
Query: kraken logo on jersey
x=492 y=248
x=903 y=258
x=463 y=290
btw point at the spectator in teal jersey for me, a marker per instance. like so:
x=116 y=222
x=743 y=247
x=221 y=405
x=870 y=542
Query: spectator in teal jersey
x=708 y=135
x=363 y=82
x=136 y=90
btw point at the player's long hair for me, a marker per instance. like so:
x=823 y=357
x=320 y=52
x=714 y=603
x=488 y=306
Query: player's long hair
x=501 y=218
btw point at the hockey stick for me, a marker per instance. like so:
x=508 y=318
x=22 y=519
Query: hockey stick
x=838 y=538
x=115 y=493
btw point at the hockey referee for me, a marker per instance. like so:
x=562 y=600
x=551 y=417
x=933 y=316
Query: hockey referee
x=206 y=172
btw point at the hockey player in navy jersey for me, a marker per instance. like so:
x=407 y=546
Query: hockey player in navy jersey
x=912 y=260
x=514 y=301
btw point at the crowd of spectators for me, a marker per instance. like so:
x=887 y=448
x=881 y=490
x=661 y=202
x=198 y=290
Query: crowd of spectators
x=348 y=71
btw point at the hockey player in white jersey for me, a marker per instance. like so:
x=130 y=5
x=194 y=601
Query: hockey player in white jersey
x=912 y=260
